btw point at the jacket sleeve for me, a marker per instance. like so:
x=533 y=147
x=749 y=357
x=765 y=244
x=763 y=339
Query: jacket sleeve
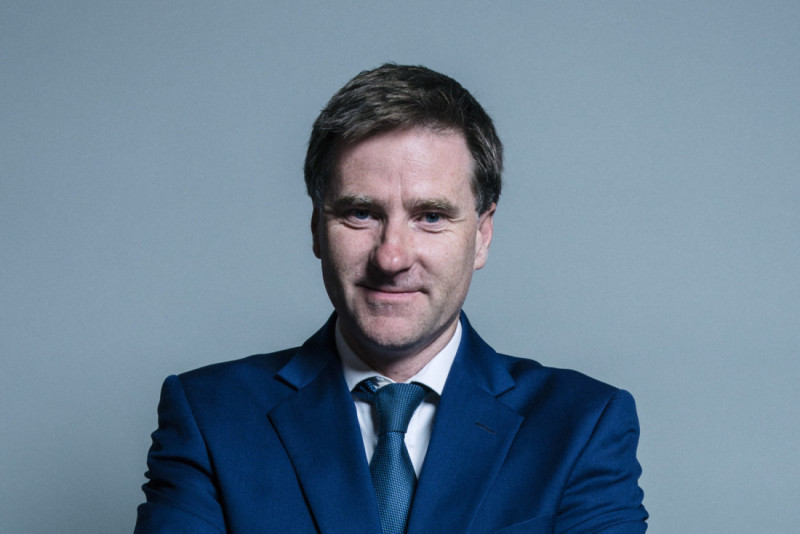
x=180 y=492
x=603 y=494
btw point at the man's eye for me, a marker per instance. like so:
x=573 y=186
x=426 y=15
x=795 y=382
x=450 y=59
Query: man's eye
x=361 y=215
x=432 y=218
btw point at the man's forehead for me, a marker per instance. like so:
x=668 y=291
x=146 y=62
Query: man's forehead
x=423 y=163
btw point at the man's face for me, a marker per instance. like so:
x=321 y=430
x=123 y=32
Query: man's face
x=399 y=238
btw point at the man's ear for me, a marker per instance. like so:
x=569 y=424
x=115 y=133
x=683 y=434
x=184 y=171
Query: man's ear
x=483 y=237
x=315 y=233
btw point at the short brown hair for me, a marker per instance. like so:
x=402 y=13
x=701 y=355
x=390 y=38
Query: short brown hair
x=393 y=97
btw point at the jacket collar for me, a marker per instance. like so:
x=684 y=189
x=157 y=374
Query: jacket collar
x=471 y=436
x=319 y=431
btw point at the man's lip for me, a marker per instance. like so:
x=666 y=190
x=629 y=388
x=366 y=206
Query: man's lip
x=390 y=291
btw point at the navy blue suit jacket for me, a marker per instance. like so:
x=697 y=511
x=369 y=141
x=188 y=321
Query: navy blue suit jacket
x=271 y=443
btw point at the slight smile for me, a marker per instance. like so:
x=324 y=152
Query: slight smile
x=389 y=294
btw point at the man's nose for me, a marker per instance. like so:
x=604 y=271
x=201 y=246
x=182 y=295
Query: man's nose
x=394 y=250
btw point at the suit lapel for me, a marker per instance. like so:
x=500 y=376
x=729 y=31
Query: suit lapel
x=471 y=437
x=319 y=430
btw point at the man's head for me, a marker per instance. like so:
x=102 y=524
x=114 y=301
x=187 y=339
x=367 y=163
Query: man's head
x=403 y=210
x=395 y=97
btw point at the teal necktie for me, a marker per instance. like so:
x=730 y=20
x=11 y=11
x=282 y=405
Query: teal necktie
x=392 y=471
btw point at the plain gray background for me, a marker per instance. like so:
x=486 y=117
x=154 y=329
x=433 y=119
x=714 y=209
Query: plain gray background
x=153 y=219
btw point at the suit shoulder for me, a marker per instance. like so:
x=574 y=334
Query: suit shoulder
x=564 y=385
x=254 y=371
x=242 y=389
x=269 y=362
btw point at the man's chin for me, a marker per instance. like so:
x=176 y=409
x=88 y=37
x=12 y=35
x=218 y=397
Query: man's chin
x=388 y=335
x=391 y=342
x=394 y=337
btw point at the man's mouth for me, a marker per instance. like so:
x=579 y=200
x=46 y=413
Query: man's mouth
x=390 y=293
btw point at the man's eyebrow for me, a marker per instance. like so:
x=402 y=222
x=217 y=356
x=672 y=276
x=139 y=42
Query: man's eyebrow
x=349 y=201
x=421 y=204
x=434 y=204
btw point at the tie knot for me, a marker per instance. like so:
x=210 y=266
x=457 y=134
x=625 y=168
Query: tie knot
x=394 y=403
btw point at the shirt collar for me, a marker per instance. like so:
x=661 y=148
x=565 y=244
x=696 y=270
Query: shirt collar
x=433 y=375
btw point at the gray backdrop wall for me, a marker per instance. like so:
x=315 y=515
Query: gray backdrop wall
x=153 y=219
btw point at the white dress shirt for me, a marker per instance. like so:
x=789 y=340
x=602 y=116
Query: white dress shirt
x=433 y=375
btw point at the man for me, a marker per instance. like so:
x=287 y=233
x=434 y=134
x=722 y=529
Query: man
x=395 y=416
